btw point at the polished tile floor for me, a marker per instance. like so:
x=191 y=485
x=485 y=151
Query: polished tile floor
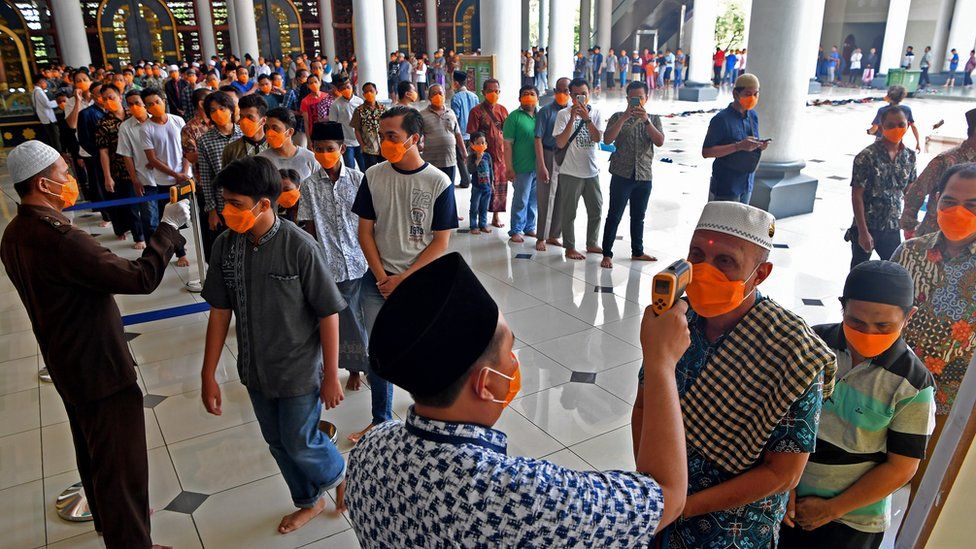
x=213 y=482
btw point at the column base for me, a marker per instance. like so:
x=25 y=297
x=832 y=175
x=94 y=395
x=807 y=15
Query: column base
x=783 y=191
x=697 y=91
x=880 y=82
x=814 y=86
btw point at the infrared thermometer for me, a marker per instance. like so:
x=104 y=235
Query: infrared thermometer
x=669 y=285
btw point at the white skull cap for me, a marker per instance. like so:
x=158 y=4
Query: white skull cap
x=29 y=159
x=739 y=220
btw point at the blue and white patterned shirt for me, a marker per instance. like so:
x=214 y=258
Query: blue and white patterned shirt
x=427 y=483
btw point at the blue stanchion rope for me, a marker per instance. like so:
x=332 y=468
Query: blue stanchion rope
x=117 y=202
x=161 y=314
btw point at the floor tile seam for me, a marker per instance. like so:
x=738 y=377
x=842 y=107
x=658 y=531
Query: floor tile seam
x=194 y=437
x=327 y=537
x=627 y=426
x=541 y=352
x=539 y=427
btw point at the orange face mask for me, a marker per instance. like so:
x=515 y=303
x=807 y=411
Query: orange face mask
x=748 y=102
x=249 y=127
x=869 y=345
x=894 y=134
x=491 y=97
x=369 y=96
x=288 y=199
x=238 y=220
x=347 y=93
x=69 y=191
x=393 y=151
x=275 y=138
x=314 y=88
x=528 y=101
x=410 y=96
x=113 y=105
x=562 y=99
x=957 y=223
x=328 y=159
x=265 y=88
x=138 y=111
x=711 y=293
x=157 y=111
x=242 y=79
x=479 y=148
x=83 y=86
x=220 y=117
x=514 y=382
x=437 y=100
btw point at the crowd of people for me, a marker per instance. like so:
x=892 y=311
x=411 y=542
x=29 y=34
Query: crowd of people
x=326 y=218
x=853 y=67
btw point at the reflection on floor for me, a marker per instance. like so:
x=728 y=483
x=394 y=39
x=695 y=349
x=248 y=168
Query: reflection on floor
x=213 y=482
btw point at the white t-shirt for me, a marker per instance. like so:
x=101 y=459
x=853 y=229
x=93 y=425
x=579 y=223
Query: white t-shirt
x=303 y=161
x=130 y=145
x=580 y=159
x=165 y=140
x=421 y=74
x=341 y=112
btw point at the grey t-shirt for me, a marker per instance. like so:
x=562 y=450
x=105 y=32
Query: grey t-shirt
x=278 y=289
x=303 y=161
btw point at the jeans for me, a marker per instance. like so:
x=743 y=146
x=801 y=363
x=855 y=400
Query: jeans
x=967 y=78
x=743 y=198
x=885 y=243
x=353 y=158
x=524 y=204
x=541 y=81
x=623 y=78
x=923 y=79
x=623 y=190
x=677 y=77
x=572 y=189
x=307 y=459
x=480 y=199
x=163 y=191
x=381 y=391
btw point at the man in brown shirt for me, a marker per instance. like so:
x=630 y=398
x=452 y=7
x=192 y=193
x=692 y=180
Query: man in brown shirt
x=66 y=279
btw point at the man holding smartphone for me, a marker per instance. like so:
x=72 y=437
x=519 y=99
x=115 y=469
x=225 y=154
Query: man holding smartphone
x=733 y=141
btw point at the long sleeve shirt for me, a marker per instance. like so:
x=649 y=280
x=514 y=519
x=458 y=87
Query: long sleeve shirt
x=43 y=106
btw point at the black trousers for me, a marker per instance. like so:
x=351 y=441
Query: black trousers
x=885 y=243
x=370 y=160
x=110 y=448
x=95 y=191
x=207 y=235
x=832 y=535
x=51 y=135
x=464 y=178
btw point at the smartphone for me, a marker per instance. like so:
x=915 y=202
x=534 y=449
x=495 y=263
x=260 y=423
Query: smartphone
x=767 y=140
x=634 y=102
x=581 y=99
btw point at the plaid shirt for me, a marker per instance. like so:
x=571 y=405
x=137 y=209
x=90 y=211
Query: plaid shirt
x=210 y=148
x=292 y=100
x=186 y=99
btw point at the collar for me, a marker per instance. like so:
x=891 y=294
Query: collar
x=41 y=211
x=731 y=108
x=249 y=141
x=321 y=174
x=456 y=433
x=939 y=241
x=266 y=237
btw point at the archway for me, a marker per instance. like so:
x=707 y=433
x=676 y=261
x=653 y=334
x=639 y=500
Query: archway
x=130 y=30
x=403 y=27
x=279 y=28
x=467 y=28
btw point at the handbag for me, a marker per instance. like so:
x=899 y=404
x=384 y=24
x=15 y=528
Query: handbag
x=560 y=153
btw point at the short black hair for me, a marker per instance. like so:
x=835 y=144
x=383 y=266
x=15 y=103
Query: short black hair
x=403 y=88
x=370 y=84
x=148 y=92
x=340 y=81
x=110 y=87
x=229 y=89
x=217 y=99
x=252 y=176
x=577 y=82
x=412 y=121
x=264 y=77
x=199 y=95
x=528 y=87
x=886 y=112
x=132 y=93
x=290 y=174
x=461 y=77
x=637 y=84
x=484 y=85
x=23 y=187
x=284 y=115
x=476 y=135
x=897 y=93
x=254 y=101
x=966 y=170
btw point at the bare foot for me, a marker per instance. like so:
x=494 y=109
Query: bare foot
x=183 y=262
x=530 y=233
x=341 y=497
x=594 y=250
x=475 y=231
x=517 y=238
x=540 y=246
x=121 y=236
x=355 y=382
x=554 y=242
x=486 y=230
x=139 y=245
x=294 y=521
x=104 y=223
x=606 y=263
x=573 y=254
x=643 y=257
x=355 y=437
x=496 y=221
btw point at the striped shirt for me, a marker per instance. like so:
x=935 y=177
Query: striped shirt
x=880 y=406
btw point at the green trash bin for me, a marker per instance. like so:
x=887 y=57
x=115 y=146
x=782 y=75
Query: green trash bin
x=896 y=77
x=902 y=77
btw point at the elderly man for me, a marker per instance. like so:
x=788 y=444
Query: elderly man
x=943 y=266
x=751 y=387
x=444 y=478
x=66 y=280
x=929 y=179
x=442 y=134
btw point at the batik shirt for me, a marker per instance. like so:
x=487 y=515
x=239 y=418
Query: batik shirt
x=366 y=120
x=427 y=483
x=943 y=331
x=328 y=205
x=107 y=137
x=884 y=181
x=926 y=185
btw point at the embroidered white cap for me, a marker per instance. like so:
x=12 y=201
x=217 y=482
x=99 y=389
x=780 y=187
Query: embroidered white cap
x=739 y=220
x=29 y=159
x=173 y=68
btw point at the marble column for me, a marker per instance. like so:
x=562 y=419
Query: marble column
x=604 y=23
x=560 y=45
x=962 y=31
x=784 y=36
x=234 y=47
x=701 y=42
x=208 y=44
x=430 y=12
x=939 y=39
x=586 y=24
x=327 y=32
x=247 y=29
x=499 y=19
x=70 y=25
x=368 y=14
x=390 y=27
x=526 y=17
x=543 y=23
x=894 y=37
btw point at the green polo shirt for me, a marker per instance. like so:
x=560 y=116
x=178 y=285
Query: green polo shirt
x=519 y=131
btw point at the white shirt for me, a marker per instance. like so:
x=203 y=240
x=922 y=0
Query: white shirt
x=580 y=159
x=262 y=69
x=856 y=60
x=130 y=145
x=341 y=112
x=165 y=140
x=44 y=107
x=421 y=73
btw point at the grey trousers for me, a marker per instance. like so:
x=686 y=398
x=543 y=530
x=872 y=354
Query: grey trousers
x=572 y=189
x=549 y=221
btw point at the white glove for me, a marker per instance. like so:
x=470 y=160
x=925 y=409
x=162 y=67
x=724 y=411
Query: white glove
x=176 y=214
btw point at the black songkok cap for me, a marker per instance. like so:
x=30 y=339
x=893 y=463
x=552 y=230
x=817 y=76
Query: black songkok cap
x=880 y=282
x=327 y=131
x=971 y=121
x=433 y=327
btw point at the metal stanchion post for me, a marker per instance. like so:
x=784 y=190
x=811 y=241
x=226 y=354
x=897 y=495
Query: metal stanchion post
x=72 y=505
x=196 y=286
